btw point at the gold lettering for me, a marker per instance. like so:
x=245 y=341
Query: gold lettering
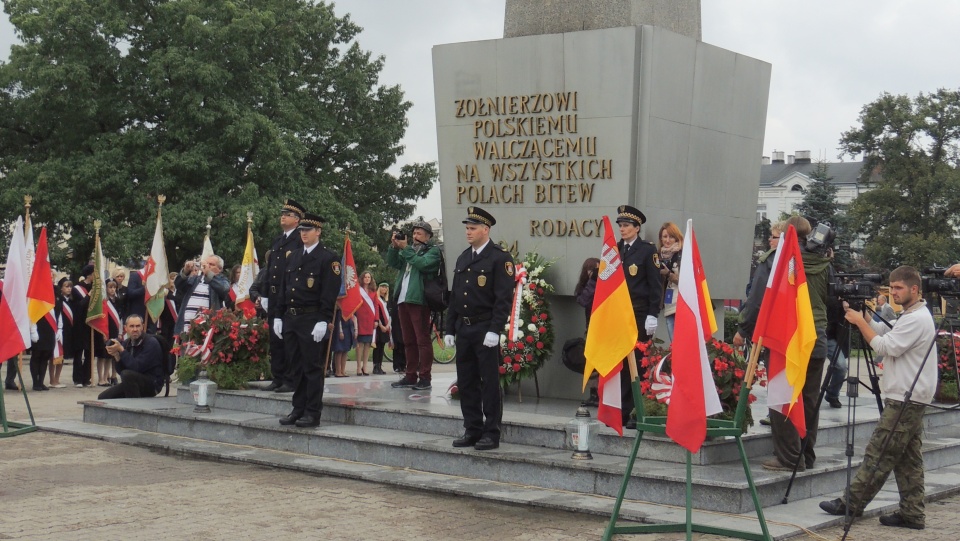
x=523 y=104
x=468 y=173
x=535 y=228
x=586 y=192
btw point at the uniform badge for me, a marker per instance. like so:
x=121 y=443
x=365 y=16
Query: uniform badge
x=633 y=269
x=656 y=260
x=287 y=254
x=481 y=280
x=509 y=266
x=310 y=282
x=336 y=267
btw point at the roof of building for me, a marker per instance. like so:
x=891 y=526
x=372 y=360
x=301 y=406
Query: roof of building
x=840 y=172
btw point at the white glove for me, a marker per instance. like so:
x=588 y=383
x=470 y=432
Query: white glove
x=278 y=327
x=491 y=339
x=34 y=335
x=263 y=303
x=319 y=331
x=651 y=325
x=449 y=341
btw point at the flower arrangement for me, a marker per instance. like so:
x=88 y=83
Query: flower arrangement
x=533 y=336
x=946 y=368
x=728 y=366
x=232 y=347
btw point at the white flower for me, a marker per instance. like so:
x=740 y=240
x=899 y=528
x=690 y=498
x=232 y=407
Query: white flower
x=519 y=322
x=532 y=328
x=519 y=334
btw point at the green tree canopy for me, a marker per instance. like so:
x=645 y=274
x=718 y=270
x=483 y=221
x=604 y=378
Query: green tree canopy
x=224 y=107
x=910 y=217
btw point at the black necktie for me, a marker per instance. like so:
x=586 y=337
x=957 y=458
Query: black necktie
x=473 y=255
x=626 y=249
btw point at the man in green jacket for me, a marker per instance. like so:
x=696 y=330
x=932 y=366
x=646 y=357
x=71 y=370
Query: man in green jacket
x=415 y=261
x=786 y=440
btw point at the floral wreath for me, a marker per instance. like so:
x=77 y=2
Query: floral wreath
x=527 y=338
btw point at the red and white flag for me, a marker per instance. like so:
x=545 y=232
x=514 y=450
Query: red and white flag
x=14 y=318
x=694 y=396
x=350 y=297
x=612 y=333
x=785 y=323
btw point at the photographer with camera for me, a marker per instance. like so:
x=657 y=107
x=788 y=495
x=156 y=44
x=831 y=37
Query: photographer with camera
x=907 y=356
x=817 y=256
x=414 y=261
x=139 y=362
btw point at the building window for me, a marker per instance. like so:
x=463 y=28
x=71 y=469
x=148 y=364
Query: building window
x=797 y=188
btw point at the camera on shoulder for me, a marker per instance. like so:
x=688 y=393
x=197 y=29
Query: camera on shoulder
x=934 y=281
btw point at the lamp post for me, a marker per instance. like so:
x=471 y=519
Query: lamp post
x=581 y=430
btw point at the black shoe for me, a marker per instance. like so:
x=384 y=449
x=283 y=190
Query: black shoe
x=594 y=399
x=897 y=520
x=631 y=424
x=284 y=389
x=466 y=440
x=290 y=419
x=308 y=421
x=41 y=387
x=273 y=386
x=423 y=385
x=486 y=443
x=404 y=383
x=834 y=403
x=837 y=507
x=378 y=371
x=11 y=387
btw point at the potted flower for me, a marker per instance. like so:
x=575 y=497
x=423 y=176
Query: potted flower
x=728 y=367
x=523 y=353
x=232 y=347
x=948 y=350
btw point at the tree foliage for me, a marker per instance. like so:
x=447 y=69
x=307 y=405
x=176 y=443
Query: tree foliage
x=223 y=106
x=910 y=216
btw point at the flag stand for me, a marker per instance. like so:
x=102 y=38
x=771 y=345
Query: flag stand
x=715 y=428
x=11 y=428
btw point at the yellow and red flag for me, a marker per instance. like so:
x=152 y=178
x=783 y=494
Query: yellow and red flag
x=694 y=395
x=250 y=267
x=40 y=296
x=612 y=333
x=785 y=323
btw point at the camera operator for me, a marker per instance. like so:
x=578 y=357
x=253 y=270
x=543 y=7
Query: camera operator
x=817 y=256
x=904 y=348
x=953 y=271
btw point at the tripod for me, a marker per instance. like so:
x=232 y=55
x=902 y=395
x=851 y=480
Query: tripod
x=853 y=384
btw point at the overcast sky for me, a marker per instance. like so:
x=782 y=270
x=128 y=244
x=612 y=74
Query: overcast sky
x=829 y=57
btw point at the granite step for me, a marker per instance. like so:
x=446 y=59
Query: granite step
x=718 y=487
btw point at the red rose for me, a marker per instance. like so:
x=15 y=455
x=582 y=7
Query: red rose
x=542 y=330
x=539 y=291
x=503 y=370
x=516 y=367
x=543 y=317
x=517 y=358
x=539 y=345
x=529 y=357
x=533 y=287
x=534 y=318
x=529 y=339
x=506 y=360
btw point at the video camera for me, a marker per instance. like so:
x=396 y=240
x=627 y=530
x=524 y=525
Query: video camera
x=821 y=238
x=855 y=288
x=933 y=281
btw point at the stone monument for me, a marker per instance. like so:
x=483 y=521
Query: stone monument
x=534 y=17
x=551 y=132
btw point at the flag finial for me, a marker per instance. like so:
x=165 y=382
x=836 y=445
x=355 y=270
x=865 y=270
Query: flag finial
x=209 y=221
x=27 y=199
x=161 y=199
x=96 y=225
x=249 y=216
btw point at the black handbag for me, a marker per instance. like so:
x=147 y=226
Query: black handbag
x=436 y=293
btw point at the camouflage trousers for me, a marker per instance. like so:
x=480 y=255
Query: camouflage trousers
x=902 y=456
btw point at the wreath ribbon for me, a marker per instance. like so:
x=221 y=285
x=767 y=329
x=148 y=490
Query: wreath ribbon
x=202 y=351
x=514 y=325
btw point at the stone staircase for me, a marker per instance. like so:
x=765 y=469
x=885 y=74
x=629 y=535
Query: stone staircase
x=367 y=422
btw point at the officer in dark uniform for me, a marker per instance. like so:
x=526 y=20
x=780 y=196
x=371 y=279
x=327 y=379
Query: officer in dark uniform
x=309 y=288
x=281 y=249
x=641 y=266
x=483 y=285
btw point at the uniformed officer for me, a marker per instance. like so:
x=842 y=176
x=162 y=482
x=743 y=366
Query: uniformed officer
x=309 y=288
x=483 y=285
x=282 y=247
x=641 y=265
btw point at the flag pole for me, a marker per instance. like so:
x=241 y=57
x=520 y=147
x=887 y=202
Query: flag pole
x=752 y=363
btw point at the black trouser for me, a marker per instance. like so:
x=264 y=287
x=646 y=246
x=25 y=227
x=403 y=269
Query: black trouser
x=282 y=374
x=81 y=365
x=38 y=365
x=399 y=355
x=305 y=360
x=478 y=379
x=12 y=367
x=786 y=440
x=132 y=385
x=378 y=351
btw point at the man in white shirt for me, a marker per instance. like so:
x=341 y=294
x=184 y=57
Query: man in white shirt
x=907 y=353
